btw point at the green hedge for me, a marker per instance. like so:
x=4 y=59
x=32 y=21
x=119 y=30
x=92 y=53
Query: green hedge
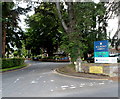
x=12 y=62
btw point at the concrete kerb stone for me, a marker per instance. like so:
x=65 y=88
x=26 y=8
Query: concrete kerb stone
x=108 y=69
x=56 y=71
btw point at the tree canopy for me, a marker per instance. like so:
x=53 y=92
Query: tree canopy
x=12 y=34
x=113 y=10
x=85 y=24
x=73 y=29
x=44 y=33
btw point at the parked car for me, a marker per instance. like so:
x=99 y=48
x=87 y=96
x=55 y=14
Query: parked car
x=116 y=55
x=90 y=59
x=35 y=58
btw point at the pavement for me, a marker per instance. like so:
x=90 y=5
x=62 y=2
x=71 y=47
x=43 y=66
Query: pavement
x=40 y=80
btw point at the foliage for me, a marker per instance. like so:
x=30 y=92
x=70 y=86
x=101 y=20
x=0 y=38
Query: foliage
x=12 y=62
x=13 y=68
x=113 y=10
x=11 y=33
x=21 y=52
x=85 y=24
x=24 y=52
x=44 y=33
x=89 y=26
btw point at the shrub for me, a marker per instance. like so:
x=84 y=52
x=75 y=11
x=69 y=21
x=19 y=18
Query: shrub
x=12 y=62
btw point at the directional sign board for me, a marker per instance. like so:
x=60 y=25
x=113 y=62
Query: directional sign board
x=101 y=54
x=105 y=59
x=101 y=46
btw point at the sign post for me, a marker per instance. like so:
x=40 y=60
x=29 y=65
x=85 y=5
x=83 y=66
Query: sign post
x=101 y=55
x=101 y=48
x=101 y=52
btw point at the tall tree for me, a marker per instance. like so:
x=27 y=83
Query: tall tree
x=11 y=32
x=6 y=7
x=44 y=30
x=84 y=20
x=113 y=10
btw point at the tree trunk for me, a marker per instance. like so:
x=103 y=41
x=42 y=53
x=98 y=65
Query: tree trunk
x=49 y=52
x=70 y=27
x=60 y=17
x=116 y=42
x=78 y=64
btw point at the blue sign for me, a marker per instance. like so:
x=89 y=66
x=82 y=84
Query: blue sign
x=101 y=46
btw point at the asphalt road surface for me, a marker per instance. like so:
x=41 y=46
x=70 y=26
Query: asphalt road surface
x=39 y=80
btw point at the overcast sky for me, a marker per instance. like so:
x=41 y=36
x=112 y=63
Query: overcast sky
x=112 y=23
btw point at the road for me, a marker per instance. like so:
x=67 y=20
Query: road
x=39 y=80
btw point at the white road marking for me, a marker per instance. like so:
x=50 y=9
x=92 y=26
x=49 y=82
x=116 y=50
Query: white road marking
x=51 y=80
x=51 y=90
x=33 y=82
x=72 y=87
x=46 y=73
x=101 y=83
x=91 y=85
x=44 y=81
x=81 y=86
x=64 y=86
x=16 y=80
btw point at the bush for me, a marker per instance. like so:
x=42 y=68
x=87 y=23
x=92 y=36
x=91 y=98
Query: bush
x=12 y=62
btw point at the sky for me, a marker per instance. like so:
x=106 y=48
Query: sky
x=112 y=23
x=22 y=24
x=112 y=26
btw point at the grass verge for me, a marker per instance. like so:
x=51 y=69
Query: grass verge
x=70 y=70
x=13 y=68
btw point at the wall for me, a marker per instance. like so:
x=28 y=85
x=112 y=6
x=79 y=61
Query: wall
x=108 y=69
